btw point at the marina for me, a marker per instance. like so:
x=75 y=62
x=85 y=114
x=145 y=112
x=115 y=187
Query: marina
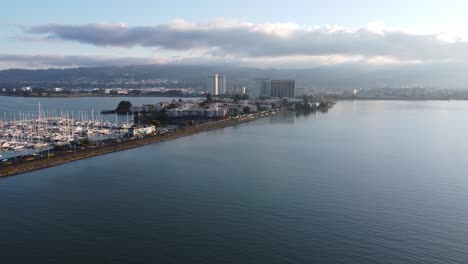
x=27 y=133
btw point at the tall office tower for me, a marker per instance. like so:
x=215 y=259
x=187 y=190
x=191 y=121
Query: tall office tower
x=261 y=88
x=217 y=84
x=283 y=88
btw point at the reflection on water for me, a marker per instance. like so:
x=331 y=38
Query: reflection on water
x=283 y=118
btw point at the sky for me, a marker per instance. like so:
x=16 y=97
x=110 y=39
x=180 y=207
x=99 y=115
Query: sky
x=291 y=34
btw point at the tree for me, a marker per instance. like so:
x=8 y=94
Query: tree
x=123 y=107
x=156 y=123
x=113 y=92
x=87 y=142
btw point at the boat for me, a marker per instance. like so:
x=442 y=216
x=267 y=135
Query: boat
x=16 y=147
x=40 y=145
x=61 y=144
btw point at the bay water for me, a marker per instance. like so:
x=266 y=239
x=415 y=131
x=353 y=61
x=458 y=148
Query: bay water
x=367 y=182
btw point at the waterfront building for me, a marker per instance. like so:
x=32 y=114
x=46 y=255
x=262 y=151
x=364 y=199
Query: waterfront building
x=217 y=84
x=216 y=112
x=252 y=108
x=184 y=111
x=261 y=88
x=283 y=88
x=264 y=107
x=137 y=109
x=141 y=130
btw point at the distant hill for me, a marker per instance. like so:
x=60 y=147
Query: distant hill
x=336 y=77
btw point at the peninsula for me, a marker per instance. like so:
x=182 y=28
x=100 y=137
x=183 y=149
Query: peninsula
x=152 y=124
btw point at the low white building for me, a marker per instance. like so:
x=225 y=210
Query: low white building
x=196 y=112
x=141 y=130
x=265 y=107
x=216 y=112
x=253 y=108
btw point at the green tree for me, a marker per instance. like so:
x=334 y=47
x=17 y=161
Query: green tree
x=156 y=123
x=123 y=107
x=87 y=142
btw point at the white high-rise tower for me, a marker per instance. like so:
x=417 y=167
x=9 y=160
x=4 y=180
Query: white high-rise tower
x=217 y=84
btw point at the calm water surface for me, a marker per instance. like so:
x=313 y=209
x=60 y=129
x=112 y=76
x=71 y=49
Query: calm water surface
x=30 y=104
x=368 y=182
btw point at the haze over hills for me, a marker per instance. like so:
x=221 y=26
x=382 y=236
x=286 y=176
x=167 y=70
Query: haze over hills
x=331 y=77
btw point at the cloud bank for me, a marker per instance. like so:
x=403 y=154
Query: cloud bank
x=266 y=41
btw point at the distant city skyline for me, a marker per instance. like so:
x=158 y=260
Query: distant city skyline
x=301 y=34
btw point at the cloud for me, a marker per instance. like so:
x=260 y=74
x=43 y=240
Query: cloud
x=275 y=40
x=67 y=61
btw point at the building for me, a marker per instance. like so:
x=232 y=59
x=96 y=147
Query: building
x=283 y=88
x=217 y=84
x=238 y=90
x=261 y=88
x=141 y=130
x=218 y=112
x=197 y=112
x=137 y=109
